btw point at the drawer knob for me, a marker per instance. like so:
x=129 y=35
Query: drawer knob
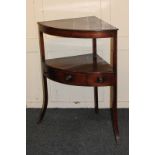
x=100 y=80
x=68 y=78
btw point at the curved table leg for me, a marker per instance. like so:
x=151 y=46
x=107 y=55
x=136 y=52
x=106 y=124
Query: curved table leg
x=45 y=100
x=114 y=113
x=96 y=99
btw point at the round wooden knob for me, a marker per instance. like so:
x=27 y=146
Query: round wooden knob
x=68 y=78
x=100 y=80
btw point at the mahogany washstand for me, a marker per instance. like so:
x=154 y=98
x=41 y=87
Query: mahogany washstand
x=81 y=70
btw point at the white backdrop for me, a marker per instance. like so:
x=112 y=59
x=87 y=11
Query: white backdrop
x=112 y=11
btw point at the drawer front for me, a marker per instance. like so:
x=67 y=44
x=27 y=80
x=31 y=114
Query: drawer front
x=81 y=79
x=101 y=80
x=68 y=78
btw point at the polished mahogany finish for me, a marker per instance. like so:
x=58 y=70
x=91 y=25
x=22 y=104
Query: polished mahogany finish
x=84 y=27
x=81 y=64
x=81 y=70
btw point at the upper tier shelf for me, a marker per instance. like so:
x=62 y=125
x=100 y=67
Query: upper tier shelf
x=83 y=27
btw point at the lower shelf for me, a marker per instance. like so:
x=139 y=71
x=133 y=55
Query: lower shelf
x=80 y=70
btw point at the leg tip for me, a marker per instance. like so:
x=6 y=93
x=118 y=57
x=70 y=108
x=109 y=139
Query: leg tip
x=39 y=121
x=96 y=111
x=117 y=139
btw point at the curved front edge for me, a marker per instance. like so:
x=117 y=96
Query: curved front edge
x=76 y=33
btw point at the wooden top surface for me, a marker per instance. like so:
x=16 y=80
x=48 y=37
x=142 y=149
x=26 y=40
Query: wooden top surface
x=80 y=63
x=90 y=23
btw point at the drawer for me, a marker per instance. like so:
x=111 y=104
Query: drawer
x=81 y=79
x=101 y=80
x=68 y=78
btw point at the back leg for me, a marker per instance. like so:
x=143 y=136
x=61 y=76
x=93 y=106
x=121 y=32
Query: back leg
x=96 y=99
